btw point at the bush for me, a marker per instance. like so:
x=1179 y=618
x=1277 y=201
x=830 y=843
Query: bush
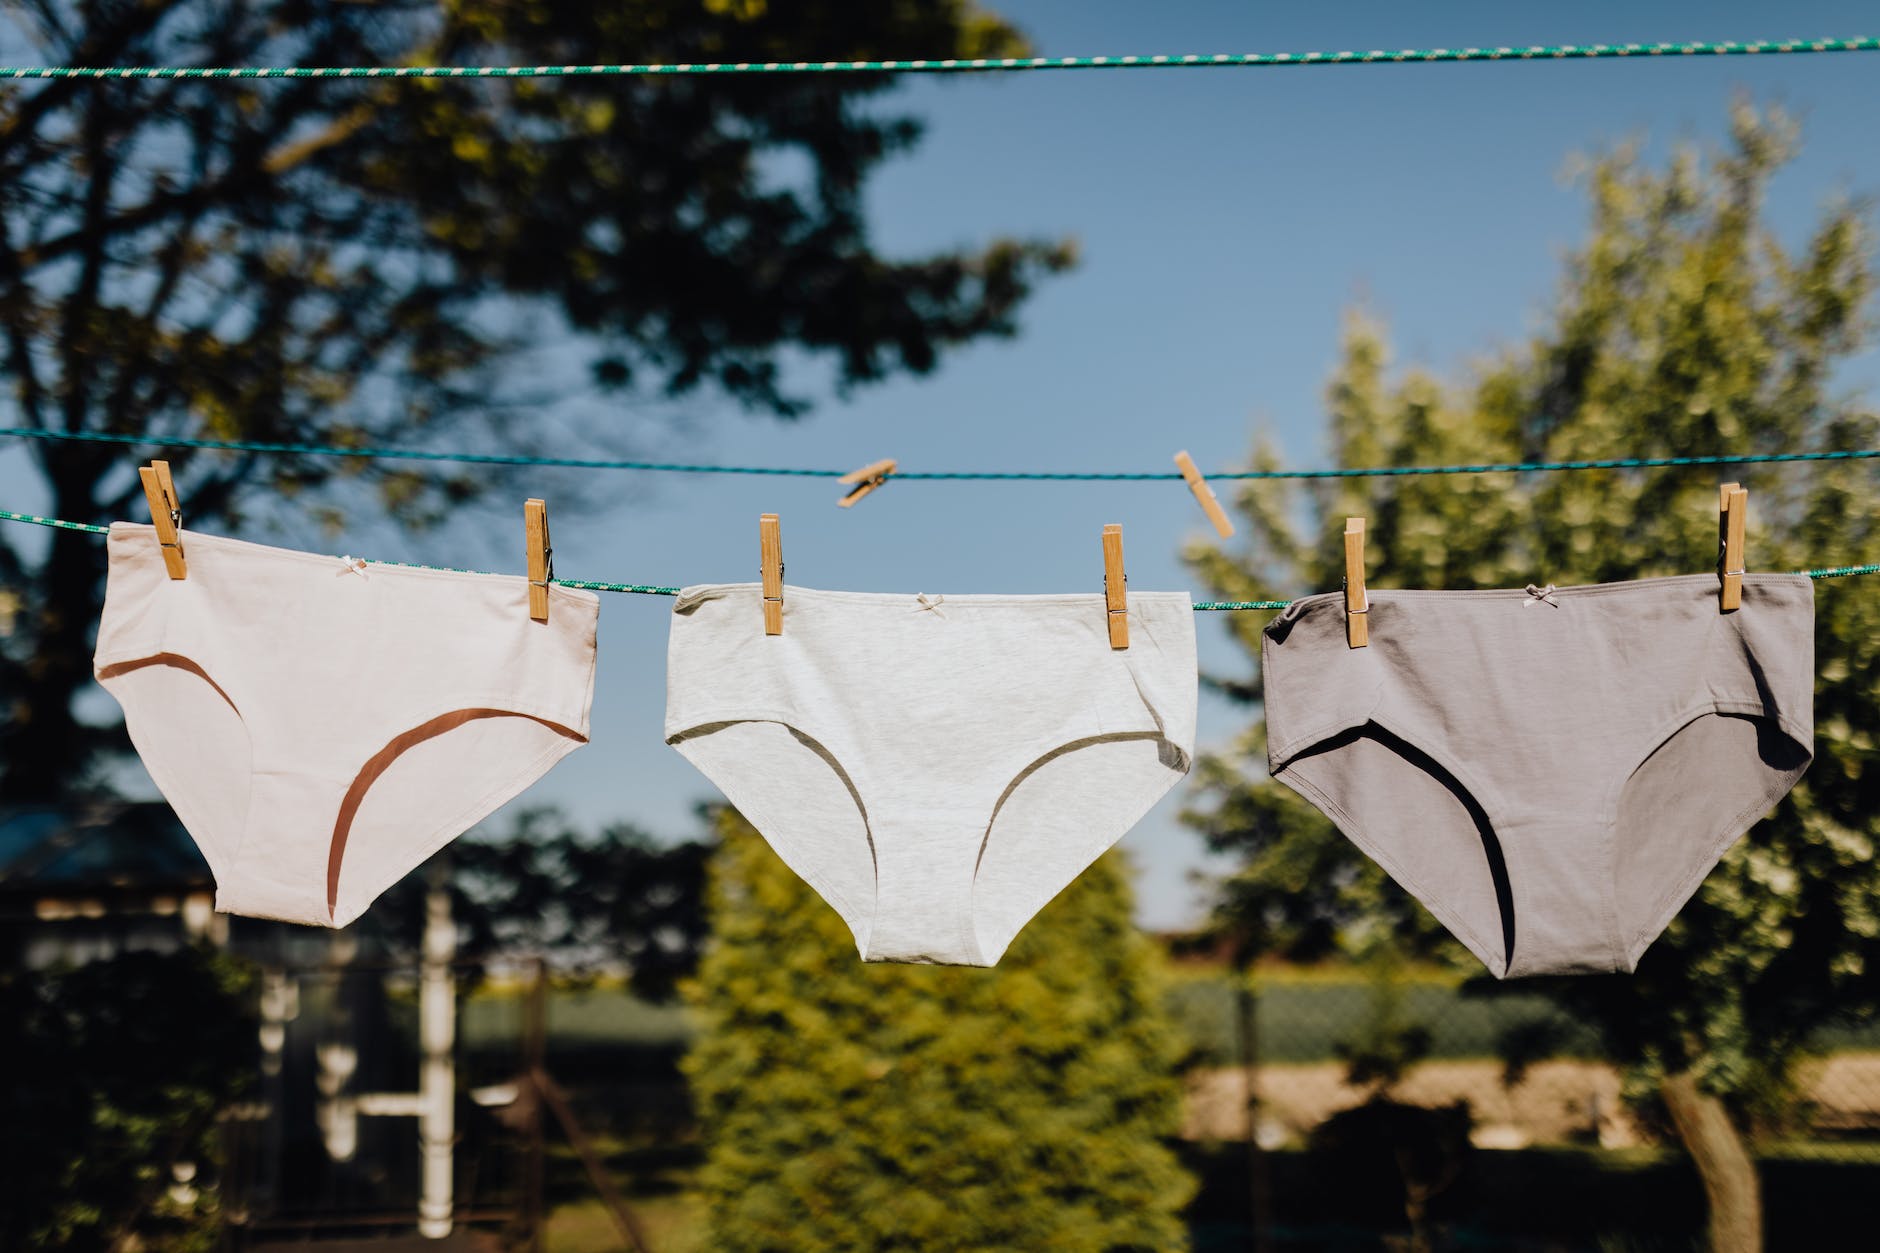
x=853 y=1106
x=115 y=1071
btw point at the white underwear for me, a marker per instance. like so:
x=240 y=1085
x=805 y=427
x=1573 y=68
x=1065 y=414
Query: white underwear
x=937 y=767
x=322 y=726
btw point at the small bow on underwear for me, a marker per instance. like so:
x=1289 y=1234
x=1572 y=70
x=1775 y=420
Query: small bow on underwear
x=1538 y=594
x=353 y=565
x=925 y=602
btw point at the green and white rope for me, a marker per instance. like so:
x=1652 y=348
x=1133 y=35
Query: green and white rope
x=1059 y=476
x=649 y=589
x=971 y=65
x=1839 y=572
x=644 y=589
x=9 y=516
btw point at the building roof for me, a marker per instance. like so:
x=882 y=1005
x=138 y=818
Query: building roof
x=95 y=846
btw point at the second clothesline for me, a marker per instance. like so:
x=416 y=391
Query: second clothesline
x=173 y=517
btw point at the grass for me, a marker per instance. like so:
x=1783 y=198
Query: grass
x=1303 y=1014
x=671 y=1224
x=601 y=1013
x=653 y=1167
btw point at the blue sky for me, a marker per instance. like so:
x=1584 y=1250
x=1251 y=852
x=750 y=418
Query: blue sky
x=1227 y=219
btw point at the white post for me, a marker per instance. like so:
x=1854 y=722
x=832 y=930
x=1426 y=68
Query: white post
x=336 y=1110
x=437 y=1083
x=280 y=1004
x=336 y=1059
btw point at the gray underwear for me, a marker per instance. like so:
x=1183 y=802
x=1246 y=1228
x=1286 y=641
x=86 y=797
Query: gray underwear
x=1552 y=772
x=937 y=767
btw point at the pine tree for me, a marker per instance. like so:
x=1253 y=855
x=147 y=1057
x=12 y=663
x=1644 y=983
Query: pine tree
x=877 y=1106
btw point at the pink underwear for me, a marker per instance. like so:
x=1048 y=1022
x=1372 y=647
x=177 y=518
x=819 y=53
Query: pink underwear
x=322 y=726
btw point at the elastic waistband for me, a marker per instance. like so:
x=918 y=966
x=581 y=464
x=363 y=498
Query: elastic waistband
x=696 y=593
x=197 y=539
x=1574 y=590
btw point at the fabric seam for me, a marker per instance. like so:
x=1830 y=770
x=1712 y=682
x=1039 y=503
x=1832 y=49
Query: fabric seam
x=392 y=568
x=1357 y=834
x=898 y=600
x=442 y=834
x=758 y=815
x=1735 y=829
x=1576 y=590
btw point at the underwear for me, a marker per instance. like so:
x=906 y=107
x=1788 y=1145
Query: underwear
x=1552 y=772
x=320 y=725
x=936 y=767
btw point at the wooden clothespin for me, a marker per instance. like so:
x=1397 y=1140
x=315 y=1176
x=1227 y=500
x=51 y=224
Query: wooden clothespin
x=541 y=556
x=166 y=513
x=1205 y=494
x=770 y=551
x=1732 y=520
x=1115 y=585
x=1357 y=600
x=866 y=479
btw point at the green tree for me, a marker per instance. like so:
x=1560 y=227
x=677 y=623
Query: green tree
x=878 y=1106
x=427 y=262
x=1683 y=327
x=585 y=901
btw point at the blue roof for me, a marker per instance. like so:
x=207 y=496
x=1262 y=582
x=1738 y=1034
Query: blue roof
x=97 y=845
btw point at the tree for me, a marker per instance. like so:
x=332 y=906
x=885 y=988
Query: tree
x=1683 y=327
x=853 y=1106
x=583 y=902
x=360 y=262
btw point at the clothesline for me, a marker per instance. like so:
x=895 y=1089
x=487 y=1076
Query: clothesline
x=970 y=65
x=647 y=589
x=673 y=467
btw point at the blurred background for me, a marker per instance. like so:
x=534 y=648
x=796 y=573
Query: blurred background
x=609 y=1017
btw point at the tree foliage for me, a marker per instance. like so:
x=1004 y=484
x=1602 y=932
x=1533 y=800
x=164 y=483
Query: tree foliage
x=1683 y=327
x=874 y=1106
x=584 y=902
x=370 y=261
